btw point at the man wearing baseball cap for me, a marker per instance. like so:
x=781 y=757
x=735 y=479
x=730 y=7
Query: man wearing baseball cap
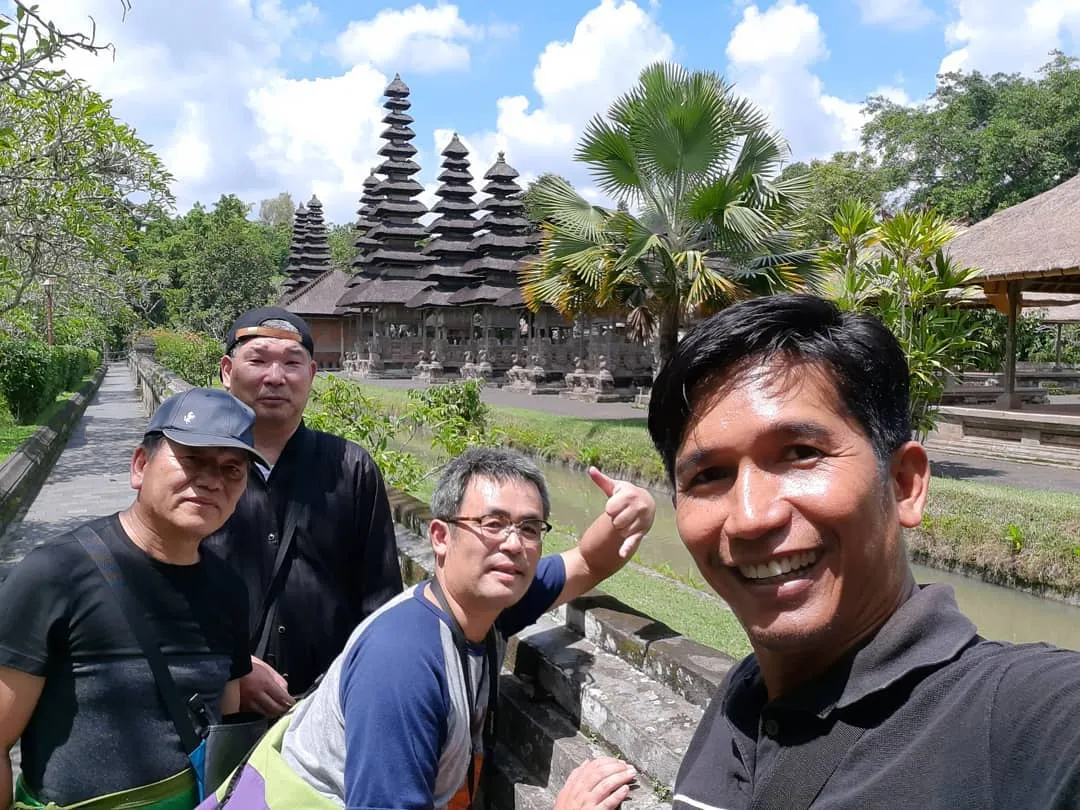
x=75 y=685
x=312 y=536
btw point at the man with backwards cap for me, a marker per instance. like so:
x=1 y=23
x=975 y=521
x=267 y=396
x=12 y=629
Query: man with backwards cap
x=75 y=686
x=312 y=536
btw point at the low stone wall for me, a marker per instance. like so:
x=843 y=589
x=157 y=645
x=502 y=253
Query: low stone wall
x=25 y=470
x=153 y=381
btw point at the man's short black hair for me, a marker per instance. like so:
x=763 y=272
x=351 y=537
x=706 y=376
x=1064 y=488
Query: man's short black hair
x=862 y=357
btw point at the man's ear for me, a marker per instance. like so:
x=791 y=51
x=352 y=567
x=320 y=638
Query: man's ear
x=225 y=370
x=439 y=535
x=910 y=479
x=139 y=459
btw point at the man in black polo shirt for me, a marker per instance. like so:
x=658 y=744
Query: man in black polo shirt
x=783 y=425
x=323 y=499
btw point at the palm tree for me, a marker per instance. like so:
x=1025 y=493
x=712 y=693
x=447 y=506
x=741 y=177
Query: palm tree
x=702 y=216
x=897 y=268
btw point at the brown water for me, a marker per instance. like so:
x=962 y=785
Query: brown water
x=999 y=613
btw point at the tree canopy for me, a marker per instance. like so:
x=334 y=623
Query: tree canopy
x=980 y=143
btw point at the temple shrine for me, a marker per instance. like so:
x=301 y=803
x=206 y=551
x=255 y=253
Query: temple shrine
x=441 y=300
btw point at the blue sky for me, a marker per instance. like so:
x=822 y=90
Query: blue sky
x=259 y=96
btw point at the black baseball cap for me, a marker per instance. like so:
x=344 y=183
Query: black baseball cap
x=250 y=325
x=206 y=417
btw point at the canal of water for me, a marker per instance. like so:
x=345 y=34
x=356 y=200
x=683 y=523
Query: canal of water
x=999 y=613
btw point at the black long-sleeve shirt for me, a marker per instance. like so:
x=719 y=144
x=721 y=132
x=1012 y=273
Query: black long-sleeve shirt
x=343 y=562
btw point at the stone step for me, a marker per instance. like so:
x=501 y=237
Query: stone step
x=1050 y=455
x=535 y=732
x=510 y=786
x=646 y=722
x=689 y=668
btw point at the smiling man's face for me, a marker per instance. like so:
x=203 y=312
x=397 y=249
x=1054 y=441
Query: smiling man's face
x=490 y=573
x=782 y=504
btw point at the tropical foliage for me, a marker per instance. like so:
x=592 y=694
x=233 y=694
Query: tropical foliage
x=70 y=176
x=897 y=269
x=209 y=266
x=981 y=143
x=703 y=213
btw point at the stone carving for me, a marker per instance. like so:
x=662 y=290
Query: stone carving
x=468 y=370
x=483 y=368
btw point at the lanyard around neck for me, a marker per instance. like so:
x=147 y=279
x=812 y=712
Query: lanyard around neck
x=471 y=692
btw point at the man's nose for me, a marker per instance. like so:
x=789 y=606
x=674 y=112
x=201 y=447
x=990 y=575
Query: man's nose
x=755 y=507
x=512 y=540
x=275 y=374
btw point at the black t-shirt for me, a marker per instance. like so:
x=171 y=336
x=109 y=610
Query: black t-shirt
x=100 y=725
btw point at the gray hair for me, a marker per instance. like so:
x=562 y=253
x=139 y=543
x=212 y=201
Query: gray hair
x=273 y=323
x=484 y=462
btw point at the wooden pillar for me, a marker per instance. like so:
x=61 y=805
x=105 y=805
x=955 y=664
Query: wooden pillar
x=1009 y=399
x=1057 y=349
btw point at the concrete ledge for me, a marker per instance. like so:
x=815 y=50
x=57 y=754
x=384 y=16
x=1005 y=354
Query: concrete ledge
x=25 y=470
x=153 y=381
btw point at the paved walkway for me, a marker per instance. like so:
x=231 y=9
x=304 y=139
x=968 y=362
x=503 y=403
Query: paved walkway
x=947 y=465
x=90 y=478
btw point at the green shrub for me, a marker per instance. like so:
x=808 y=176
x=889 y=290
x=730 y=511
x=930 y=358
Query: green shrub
x=27 y=377
x=192 y=356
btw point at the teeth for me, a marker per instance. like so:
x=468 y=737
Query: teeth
x=780 y=566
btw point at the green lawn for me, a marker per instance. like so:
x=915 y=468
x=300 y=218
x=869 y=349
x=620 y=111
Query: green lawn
x=1013 y=536
x=12 y=435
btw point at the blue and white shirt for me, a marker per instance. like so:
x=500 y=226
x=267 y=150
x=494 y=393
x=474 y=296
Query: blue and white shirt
x=389 y=726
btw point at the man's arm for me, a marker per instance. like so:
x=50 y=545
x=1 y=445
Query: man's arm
x=395 y=726
x=610 y=542
x=19 y=694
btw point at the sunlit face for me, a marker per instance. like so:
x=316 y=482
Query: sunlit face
x=271 y=375
x=781 y=502
x=191 y=490
x=483 y=572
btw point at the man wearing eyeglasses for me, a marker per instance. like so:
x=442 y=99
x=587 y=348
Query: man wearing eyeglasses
x=404 y=715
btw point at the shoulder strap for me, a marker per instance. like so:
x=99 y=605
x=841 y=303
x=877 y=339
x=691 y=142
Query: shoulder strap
x=261 y=626
x=800 y=772
x=492 y=657
x=109 y=567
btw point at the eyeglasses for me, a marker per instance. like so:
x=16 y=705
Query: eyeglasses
x=498 y=527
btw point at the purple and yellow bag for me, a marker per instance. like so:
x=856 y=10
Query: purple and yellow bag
x=264 y=781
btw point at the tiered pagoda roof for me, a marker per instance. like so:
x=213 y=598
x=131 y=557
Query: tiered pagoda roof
x=309 y=252
x=507 y=238
x=389 y=267
x=454 y=229
x=364 y=222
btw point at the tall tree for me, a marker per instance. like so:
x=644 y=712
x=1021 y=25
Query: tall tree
x=277 y=212
x=981 y=143
x=705 y=209
x=343 y=250
x=845 y=176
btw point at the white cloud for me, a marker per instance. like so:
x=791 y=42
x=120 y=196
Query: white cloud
x=419 y=39
x=1008 y=35
x=899 y=14
x=770 y=55
x=574 y=80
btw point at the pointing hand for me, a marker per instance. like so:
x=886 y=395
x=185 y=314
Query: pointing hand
x=631 y=509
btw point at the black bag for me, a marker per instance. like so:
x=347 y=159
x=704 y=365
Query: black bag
x=223 y=745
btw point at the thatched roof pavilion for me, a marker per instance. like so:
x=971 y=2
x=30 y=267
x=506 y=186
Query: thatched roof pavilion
x=1031 y=247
